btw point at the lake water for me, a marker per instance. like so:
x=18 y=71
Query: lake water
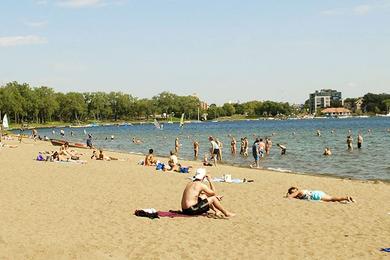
x=304 y=148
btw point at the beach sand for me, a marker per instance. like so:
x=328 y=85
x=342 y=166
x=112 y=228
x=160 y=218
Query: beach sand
x=71 y=211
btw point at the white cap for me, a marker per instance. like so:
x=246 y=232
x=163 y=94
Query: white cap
x=200 y=174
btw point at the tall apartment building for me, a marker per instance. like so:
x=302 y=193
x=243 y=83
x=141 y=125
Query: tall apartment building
x=323 y=99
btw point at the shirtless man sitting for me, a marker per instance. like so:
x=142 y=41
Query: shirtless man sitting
x=198 y=198
x=149 y=159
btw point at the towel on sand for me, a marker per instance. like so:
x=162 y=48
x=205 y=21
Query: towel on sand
x=152 y=214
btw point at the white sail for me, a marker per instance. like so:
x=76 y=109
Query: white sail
x=5 y=122
x=156 y=124
x=182 y=120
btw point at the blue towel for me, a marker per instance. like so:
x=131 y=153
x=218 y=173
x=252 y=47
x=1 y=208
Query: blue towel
x=385 y=250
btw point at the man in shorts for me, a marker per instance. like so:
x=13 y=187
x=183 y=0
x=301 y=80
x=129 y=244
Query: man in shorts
x=256 y=155
x=198 y=198
x=214 y=149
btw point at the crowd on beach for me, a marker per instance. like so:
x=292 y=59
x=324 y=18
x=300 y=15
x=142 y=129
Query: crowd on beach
x=198 y=198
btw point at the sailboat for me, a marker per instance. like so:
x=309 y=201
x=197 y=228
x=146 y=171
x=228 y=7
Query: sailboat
x=198 y=121
x=157 y=124
x=5 y=122
x=182 y=120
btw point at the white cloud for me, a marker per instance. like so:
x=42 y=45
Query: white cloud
x=8 y=41
x=333 y=12
x=81 y=3
x=362 y=9
x=36 y=23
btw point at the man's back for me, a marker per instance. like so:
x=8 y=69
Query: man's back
x=191 y=194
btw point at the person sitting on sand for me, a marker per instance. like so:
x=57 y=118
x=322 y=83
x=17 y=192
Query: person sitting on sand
x=8 y=145
x=198 y=198
x=295 y=193
x=206 y=161
x=173 y=162
x=327 y=151
x=149 y=159
x=102 y=157
x=283 y=149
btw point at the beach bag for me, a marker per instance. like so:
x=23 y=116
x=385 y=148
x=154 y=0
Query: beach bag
x=40 y=157
x=184 y=169
x=160 y=166
x=146 y=213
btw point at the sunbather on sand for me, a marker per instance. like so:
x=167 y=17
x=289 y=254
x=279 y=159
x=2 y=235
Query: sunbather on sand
x=102 y=157
x=173 y=163
x=206 y=161
x=149 y=159
x=295 y=193
x=7 y=145
x=198 y=198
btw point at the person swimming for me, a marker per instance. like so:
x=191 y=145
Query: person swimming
x=327 y=151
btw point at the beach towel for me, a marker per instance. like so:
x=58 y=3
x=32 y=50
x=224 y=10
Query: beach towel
x=222 y=179
x=173 y=214
x=152 y=214
x=387 y=250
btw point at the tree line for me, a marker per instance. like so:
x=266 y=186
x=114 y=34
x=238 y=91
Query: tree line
x=26 y=104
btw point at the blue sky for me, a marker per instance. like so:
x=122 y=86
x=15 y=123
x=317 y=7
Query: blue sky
x=223 y=50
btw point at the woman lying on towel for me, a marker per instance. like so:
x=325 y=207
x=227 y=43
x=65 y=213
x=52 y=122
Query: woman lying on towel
x=316 y=195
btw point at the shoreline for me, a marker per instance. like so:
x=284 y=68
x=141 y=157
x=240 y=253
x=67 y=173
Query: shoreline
x=286 y=171
x=177 y=121
x=324 y=175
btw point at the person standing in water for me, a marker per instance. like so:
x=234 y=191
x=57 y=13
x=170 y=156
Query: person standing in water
x=214 y=150
x=220 y=145
x=256 y=154
x=242 y=144
x=359 y=141
x=196 y=149
x=177 y=145
x=268 y=145
x=246 y=146
x=233 y=146
x=349 y=142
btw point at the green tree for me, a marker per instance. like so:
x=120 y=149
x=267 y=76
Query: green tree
x=229 y=109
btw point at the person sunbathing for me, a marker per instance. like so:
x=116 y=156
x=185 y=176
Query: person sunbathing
x=149 y=159
x=173 y=163
x=8 y=145
x=199 y=199
x=206 y=161
x=295 y=193
x=102 y=157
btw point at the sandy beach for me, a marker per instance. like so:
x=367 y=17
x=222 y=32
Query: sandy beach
x=85 y=211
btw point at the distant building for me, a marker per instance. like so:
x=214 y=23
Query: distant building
x=336 y=111
x=323 y=98
x=203 y=105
